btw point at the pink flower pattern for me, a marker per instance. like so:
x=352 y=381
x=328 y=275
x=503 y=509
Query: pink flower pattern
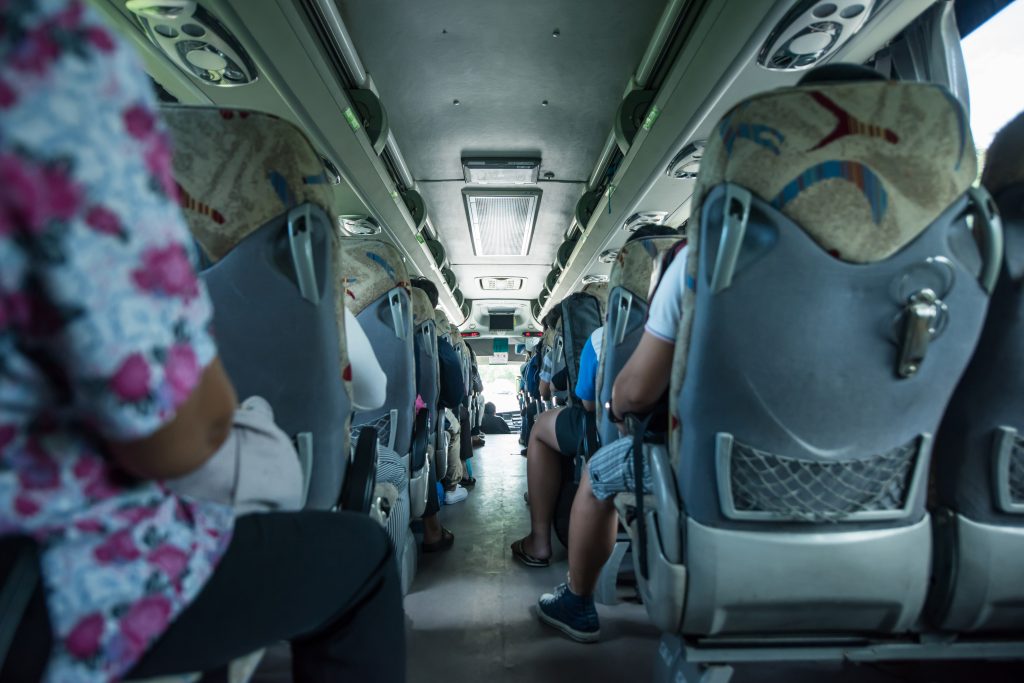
x=96 y=272
x=168 y=271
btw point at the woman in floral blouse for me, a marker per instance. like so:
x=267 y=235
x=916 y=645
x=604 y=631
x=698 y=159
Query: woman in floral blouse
x=109 y=382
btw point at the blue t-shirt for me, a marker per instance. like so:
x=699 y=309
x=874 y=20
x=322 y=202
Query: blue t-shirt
x=586 y=383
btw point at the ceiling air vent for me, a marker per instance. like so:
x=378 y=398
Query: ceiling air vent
x=501 y=171
x=195 y=40
x=637 y=219
x=686 y=164
x=812 y=31
x=608 y=256
x=359 y=226
x=500 y=284
x=593 y=279
x=501 y=221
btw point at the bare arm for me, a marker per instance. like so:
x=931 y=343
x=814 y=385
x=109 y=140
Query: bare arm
x=198 y=429
x=645 y=376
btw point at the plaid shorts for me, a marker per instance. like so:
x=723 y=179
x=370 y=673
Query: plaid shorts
x=611 y=469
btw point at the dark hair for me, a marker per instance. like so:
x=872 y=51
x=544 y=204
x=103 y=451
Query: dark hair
x=652 y=230
x=840 y=73
x=427 y=286
x=490 y=409
x=553 y=316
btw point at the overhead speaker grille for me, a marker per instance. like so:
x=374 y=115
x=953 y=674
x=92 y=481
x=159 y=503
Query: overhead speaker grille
x=501 y=221
x=812 y=31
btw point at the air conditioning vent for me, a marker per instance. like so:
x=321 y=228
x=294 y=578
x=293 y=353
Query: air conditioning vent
x=501 y=221
x=812 y=31
x=500 y=284
x=593 y=279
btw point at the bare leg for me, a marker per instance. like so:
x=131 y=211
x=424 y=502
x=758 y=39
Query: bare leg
x=593 y=526
x=543 y=481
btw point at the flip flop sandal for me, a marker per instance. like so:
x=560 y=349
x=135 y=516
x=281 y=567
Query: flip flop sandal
x=468 y=481
x=519 y=552
x=444 y=543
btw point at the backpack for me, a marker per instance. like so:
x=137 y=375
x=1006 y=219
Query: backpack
x=532 y=378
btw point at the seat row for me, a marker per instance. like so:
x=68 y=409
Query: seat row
x=843 y=473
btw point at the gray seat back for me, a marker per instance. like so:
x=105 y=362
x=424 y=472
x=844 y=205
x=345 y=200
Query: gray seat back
x=377 y=291
x=832 y=297
x=634 y=276
x=281 y=278
x=979 y=453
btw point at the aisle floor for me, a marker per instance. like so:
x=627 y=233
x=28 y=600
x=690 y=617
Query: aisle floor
x=470 y=613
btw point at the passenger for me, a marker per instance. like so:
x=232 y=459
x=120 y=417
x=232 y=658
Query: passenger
x=492 y=424
x=454 y=493
x=593 y=523
x=558 y=433
x=531 y=389
x=111 y=382
x=436 y=538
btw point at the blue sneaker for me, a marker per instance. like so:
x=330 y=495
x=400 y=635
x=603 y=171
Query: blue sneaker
x=573 y=615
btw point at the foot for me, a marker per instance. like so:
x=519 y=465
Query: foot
x=468 y=482
x=574 y=615
x=478 y=442
x=443 y=541
x=456 y=495
x=525 y=551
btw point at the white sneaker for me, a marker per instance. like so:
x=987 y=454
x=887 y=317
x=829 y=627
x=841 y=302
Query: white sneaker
x=457 y=495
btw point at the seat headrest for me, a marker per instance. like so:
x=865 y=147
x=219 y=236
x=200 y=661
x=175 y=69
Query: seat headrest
x=635 y=263
x=422 y=311
x=441 y=322
x=598 y=290
x=862 y=166
x=1004 y=160
x=373 y=267
x=238 y=169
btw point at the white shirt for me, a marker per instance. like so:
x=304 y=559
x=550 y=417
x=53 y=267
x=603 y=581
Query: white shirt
x=369 y=383
x=667 y=304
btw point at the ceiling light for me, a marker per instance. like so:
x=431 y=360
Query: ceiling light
x=359 y=226
x=501 y=171
x=501 y=221
x=501 y=283
x=687 y=163
x=637 y=219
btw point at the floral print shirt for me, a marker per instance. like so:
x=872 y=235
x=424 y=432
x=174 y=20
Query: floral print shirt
x=104 y=332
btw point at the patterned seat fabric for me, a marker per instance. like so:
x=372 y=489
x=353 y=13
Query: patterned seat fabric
x=238 y=169
x=599 y=290
x=372 y=267
x=442 y=325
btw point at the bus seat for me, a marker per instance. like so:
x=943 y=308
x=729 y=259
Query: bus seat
x=428 y=387
x=376 y=290
x=979 y=451
x=249 y=193
x=832 y=298
x=442 y=328
x=634 y=275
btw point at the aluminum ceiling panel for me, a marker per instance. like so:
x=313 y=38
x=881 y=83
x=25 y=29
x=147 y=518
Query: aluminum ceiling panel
x=499 y=59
